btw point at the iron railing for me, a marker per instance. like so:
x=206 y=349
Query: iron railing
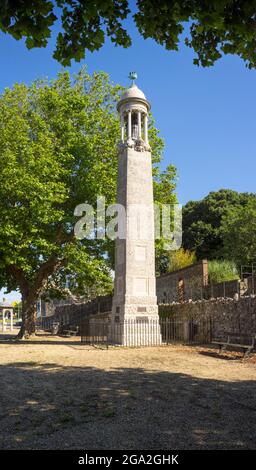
x=146 y=333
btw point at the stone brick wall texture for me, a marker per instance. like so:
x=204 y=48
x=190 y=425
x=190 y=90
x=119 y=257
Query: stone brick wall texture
x=197 y=287
x=194 y=278
x=225 y=315
x=74 y=314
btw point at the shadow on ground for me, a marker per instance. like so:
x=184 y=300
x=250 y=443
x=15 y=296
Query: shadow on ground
x=12 y=339
x=225 y=357
x=46 y=406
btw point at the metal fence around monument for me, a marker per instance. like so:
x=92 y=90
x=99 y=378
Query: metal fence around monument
x=146 y=333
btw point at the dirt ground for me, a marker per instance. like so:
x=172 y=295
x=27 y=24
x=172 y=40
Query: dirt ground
x=58 y=394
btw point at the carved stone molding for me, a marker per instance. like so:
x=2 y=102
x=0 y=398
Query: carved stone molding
x=138 y=145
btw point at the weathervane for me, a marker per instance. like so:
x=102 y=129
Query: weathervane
x=133 y=76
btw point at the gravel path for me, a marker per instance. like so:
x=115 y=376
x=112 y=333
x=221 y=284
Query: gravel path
x=58 y=394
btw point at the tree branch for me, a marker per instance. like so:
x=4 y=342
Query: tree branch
x=66 y=292
x=63 y=237
x=19 y=276
x=46 y=269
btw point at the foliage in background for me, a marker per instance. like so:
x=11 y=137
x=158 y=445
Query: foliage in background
x=239 y=233
x=222 y=270
x=203 y=230
x=180 y=259
x=215 y=27
x=58 y=145
x=164 y=193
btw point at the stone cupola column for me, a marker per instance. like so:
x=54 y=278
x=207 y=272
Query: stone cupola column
x=139 y=124
x=122 y=127
x=129 y=130
x=146 y=129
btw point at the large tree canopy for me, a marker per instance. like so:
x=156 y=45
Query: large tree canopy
x=58 y=149
x=216 y=27
x=203 y=222
x=239 y=233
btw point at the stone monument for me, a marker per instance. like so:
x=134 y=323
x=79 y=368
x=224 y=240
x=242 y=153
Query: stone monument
x=135 y=318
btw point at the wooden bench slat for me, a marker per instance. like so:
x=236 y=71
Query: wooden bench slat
x=224 y=344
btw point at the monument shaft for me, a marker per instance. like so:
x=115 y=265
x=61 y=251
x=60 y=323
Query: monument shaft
x=135 y=299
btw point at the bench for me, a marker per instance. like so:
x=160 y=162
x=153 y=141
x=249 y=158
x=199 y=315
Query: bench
x=237 y=340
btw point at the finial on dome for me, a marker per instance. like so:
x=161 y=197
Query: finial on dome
x=133 y=76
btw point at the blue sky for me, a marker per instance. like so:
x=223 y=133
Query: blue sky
x=206 y=116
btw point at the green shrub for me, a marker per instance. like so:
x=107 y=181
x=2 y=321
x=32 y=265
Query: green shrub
x=220 y=271
x=180 y=259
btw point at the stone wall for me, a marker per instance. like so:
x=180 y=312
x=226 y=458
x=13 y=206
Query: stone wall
x=182 y=284
x=230 y=288
x=225 y=315
x=191 y=283
x=222 y=289
x=73 y=314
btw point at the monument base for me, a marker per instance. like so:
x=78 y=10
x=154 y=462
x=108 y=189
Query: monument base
x=135 y=330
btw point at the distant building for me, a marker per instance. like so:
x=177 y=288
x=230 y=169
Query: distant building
x=6 y=313
x=6 y=308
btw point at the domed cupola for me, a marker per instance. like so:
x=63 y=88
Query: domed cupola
x=133 y=108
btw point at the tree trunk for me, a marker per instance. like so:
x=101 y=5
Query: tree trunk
x=31 y=292
x=28 y=327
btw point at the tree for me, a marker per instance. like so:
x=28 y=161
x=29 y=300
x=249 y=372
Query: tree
x=239 y=234
x=164 y=194
x=58 y=145
x=202 y=221
x=181 y=259
x=216 y=27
